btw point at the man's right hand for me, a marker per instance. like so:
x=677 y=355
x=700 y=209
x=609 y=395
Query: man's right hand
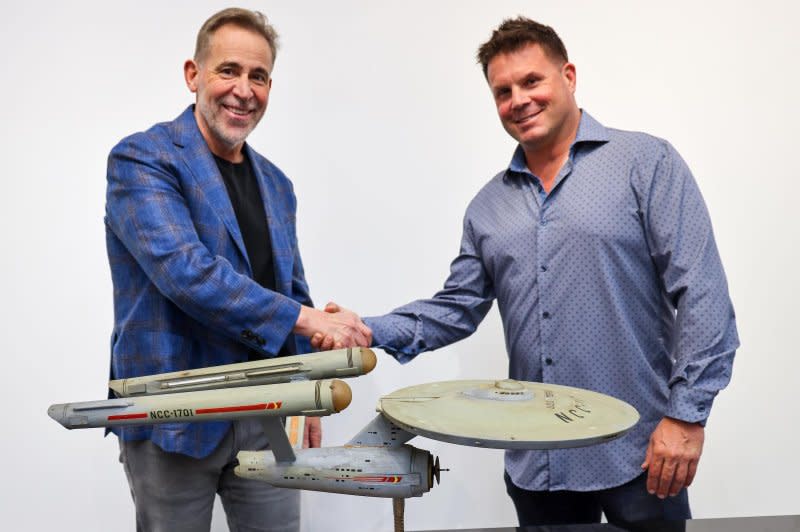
x=326 y=342
x=337 y=328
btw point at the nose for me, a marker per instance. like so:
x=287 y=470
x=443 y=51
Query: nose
x=242 y=88
x=518 y=98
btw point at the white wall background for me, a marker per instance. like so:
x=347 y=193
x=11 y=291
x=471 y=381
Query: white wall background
x=384 y=122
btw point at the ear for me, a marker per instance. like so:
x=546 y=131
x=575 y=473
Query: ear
x=570 y=75
x=190 y=72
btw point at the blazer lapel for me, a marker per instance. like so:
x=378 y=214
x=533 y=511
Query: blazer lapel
x=201 y=163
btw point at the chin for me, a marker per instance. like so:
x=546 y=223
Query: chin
x=235 y=135
x=529 y=140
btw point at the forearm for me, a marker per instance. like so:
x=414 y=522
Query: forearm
x=450 y=315
x=428 y=324
x=705 y=327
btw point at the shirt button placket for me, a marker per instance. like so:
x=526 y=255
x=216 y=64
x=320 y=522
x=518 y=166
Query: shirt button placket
x=546 y=358
x=555 y=469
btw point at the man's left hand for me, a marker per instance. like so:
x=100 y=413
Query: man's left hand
x=672 y=456
x=312 y=436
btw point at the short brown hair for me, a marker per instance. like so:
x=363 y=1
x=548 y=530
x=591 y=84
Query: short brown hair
x=516 y=33
x=244 y=18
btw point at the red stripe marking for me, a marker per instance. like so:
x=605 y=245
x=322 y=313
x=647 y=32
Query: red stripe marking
x=127 y=416
x=243 y=408
x=392 y=480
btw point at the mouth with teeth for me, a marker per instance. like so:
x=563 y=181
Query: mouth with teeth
x=238 y=112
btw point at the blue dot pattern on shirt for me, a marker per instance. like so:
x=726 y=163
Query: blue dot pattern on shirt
x=612 y=282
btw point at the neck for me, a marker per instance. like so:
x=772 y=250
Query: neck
x=233 y=155
x=545 y=160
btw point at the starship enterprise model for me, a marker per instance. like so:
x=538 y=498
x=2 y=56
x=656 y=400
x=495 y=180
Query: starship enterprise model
x=376 y=462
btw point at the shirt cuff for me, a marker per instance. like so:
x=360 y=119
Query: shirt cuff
x=271 y=336
x=391 y=337
x=692 y=406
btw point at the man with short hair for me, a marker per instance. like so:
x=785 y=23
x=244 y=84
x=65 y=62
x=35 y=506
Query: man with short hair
x=598 y=248
x=206 y=271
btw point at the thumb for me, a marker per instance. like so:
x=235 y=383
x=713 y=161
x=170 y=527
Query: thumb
x=648 y=455
x=332 y=307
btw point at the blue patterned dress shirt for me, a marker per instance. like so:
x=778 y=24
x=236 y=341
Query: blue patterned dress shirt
x=611 y=282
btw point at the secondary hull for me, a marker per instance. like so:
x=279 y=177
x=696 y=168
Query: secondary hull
x=399 y=472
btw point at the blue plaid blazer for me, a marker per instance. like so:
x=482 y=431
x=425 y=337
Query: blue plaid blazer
x=184 y=296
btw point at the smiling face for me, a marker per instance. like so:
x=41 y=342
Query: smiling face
x=232 y=83
x=535 y=97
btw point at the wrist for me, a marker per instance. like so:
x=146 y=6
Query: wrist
x=684 y=422
x=303 y=324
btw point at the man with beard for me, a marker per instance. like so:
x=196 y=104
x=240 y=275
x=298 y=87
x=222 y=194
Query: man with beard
x=206 y=271
x=598 y=248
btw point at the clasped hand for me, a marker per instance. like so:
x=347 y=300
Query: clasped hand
x=335 y=328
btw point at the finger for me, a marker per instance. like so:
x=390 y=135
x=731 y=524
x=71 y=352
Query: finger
x=361 y=339
x=665 y=481
x=351 y=337
x=692 y=471
x=648 y=455
x=367 y=332
x=679 y=480
x=365 y=338
x=362 y=326
x=316 y=340
x=332 y=307
x=328 y=343
x=345 y=338
x=654 y=474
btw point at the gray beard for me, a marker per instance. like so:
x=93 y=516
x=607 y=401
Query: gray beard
x=219 y=131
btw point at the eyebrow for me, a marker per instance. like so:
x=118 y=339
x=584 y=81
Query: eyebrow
x=225 y=64
x=234 y=64
x=524 y=77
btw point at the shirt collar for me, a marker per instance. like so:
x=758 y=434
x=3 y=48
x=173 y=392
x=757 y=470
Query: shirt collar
x=589 y=130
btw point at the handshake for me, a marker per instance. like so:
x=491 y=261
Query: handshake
x=335 y=328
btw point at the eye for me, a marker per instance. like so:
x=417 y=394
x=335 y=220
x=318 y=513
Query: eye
x=260 y=78
x=501 y=93
x=531 y=82
x=227 y=72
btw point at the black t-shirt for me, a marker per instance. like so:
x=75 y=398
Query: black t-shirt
x=248 y=205
x=245 y=196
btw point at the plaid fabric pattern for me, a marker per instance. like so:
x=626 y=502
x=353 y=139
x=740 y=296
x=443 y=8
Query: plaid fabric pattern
x=184 y=296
